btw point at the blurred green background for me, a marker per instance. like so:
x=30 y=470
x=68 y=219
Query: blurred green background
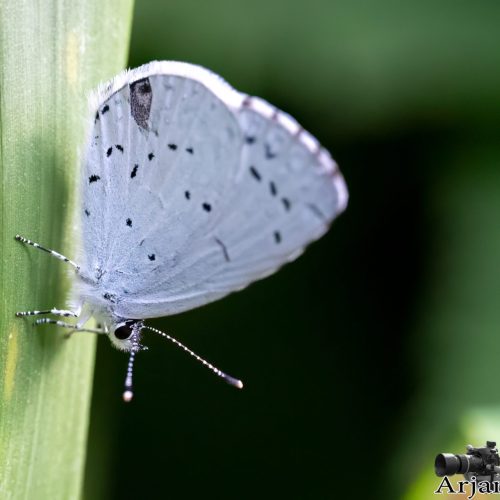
x=379 y=347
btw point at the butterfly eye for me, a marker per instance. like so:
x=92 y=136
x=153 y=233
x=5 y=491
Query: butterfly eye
x=124 y=330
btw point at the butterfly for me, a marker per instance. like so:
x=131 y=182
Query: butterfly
x=189 y=190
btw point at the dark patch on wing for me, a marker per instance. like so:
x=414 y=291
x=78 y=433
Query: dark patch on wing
x=96 y=117
x=129 y=222
x=87 y=213
x=207 y=207
x=134 y=171
x=187 y=194
x=93 y=178
x=152 y=257
x=173 y=147
x=109 y=151
x=105 y=109
x=109 y=296
x=286 y=203
x=255 y=173
x=119 y=147
x=224 y=249
x=272 y=187
x=190 y=150
x=150 y=156
x=249 y=139
x=277 y=236
x=141 y=97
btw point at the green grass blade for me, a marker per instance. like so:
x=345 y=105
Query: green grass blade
x=51 y=54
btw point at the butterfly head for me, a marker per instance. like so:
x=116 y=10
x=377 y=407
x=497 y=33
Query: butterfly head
x=126 y=334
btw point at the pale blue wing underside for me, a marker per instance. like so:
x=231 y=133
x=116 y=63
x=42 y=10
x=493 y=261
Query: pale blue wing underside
x=193 y=190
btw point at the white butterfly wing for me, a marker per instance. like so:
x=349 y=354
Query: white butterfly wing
x=193 y=190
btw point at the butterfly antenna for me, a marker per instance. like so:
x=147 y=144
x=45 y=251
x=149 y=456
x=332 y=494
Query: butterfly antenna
x=128 y=393
x=230 y=380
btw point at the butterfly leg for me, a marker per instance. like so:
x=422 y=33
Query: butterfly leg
x=56 y=312
x=63 y=324
x=55 y=254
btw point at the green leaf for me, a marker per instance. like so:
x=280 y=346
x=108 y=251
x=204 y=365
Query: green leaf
x=52 y=54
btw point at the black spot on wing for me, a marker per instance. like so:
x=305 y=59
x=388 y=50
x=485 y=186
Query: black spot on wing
x=190 y=150
x=119 y=147
x=224 y=249
x=150 y=156
x=173 y=147
x=255 y=173
x=129 y=222
x=317 y=212
x=93 y=178
x=269 y=152
x=249 y=139
x=152 y=257
x=141 y=97
x=96 y=117
x=105 y=109
x=187 y=194
x=286 y=203
x=109 y=151
x=272 y=188
x=277 y=236
x=134 y=171
x=207 y=207
x=87 y=213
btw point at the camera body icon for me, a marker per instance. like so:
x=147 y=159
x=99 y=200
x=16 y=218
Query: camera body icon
x=479 y=464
